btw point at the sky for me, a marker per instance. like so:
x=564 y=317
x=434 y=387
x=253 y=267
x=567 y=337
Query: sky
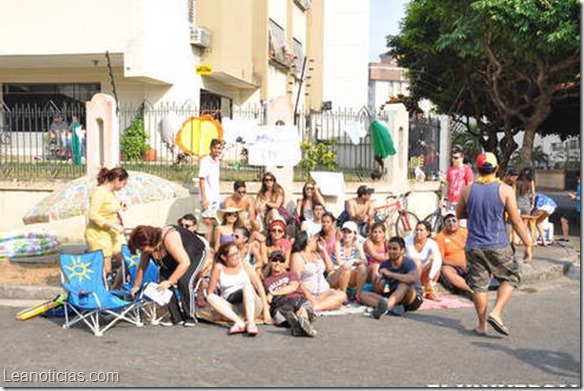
x=385 y=16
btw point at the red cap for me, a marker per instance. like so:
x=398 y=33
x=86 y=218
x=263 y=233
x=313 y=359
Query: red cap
x=486 y=160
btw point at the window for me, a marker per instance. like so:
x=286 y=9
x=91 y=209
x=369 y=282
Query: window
x=298 y=57
x=304 y=5
x=279 y=50
x=574 y=144
x=31 y=106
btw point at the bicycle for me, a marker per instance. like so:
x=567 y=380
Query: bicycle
x=436 y=219
x=394 y=215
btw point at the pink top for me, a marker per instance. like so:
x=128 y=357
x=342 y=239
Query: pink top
x=330 y=246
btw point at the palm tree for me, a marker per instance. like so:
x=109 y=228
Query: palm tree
x=538 y=158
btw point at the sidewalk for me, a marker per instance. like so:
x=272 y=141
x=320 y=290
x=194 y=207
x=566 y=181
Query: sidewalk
x=548 y=263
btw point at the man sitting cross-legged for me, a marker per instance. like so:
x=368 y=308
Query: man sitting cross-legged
x=288 y=305
x=403 y=280
x=451 y=241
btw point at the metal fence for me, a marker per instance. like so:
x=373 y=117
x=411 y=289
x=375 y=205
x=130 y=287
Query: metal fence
x=28 y=152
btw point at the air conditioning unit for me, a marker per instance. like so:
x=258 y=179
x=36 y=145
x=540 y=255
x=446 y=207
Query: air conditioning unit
x=201 y=37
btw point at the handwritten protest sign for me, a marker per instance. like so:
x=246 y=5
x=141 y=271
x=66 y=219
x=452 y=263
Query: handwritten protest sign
x=274 y=146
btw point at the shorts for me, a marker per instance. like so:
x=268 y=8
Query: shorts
x=444 y=280
x=414 y=305
x=211 y=211
x=235 y=297
x=283 y=305
x=484 y=262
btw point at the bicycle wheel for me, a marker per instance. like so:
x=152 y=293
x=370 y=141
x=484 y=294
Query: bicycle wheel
x=436 y=221
x=406 y=224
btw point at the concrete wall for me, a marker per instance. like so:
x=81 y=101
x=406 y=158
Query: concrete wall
x=550 y=179
x=18 y=198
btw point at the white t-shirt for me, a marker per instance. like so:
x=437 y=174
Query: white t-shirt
x=430 y=250
x=209 y=170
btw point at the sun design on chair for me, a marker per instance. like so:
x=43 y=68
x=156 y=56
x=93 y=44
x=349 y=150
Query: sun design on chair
x=79 y=269
x=134 y=260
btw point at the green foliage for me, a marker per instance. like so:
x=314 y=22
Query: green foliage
x=318 y=154
x=539 y=158
x=134 y=139
x=505 y=63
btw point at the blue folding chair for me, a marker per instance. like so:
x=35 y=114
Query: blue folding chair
x=82 y=276
x=130 y=265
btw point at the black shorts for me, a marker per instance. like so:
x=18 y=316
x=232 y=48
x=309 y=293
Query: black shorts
x=415 y=304
x=235 y=297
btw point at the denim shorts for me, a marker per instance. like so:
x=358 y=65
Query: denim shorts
x=484 y=262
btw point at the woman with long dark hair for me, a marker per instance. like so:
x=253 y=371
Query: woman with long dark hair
x=270 y=196
x=310 y=260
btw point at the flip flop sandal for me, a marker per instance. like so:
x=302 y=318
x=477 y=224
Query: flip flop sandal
x=235 y=329
x=499 y=327
x=252 y=331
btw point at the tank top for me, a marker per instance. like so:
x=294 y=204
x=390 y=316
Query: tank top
x=383 y=251
x=313 y=276
x=346 y=258
x=192 y=244
x=330 y=245
x=231 y=283
x=486 y=217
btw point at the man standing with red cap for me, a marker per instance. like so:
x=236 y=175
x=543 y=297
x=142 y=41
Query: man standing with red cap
x=488 y=251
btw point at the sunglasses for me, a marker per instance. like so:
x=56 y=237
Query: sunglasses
x=234 y=214
x=279 y=260
x=187 y=226
x=268 y=179
x=277 y=231
x=450 y=221
x=310 y=188
x=241 y=192
x=457 y=157
x=346 y=231
x=236 y=236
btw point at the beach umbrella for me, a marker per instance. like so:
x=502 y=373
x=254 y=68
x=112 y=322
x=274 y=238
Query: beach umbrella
x=381 y=140
x=72 y=199
x=196 y=133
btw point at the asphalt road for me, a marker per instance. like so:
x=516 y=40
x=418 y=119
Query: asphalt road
x=432 y=347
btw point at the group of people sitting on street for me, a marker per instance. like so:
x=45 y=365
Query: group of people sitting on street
x=261 y=263
x=255 y=260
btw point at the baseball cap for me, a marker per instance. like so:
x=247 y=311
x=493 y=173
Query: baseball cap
x=449 y=214
x=486 y=161
x=363 y=189
x=351 y=226
x=277 y=254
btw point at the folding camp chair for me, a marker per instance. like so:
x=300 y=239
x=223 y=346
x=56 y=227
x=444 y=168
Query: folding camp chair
x=82 y=276
x=130 y=265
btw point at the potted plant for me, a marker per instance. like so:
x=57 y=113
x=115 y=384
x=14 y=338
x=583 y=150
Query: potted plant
x=134 y=139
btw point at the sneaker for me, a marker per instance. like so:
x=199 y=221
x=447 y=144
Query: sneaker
x=397 y=310
x=170 y=323
x=306 y=326
x=294 y=323
x=190 y=323
x=563 y=240
x=381 y=308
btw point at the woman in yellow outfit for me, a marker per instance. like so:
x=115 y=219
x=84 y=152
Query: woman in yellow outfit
x=105 y=229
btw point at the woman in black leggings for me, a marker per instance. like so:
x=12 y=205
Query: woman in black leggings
x=180 y=255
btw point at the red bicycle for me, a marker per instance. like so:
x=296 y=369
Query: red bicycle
x=394 y=215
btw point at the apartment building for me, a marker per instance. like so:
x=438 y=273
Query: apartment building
x=206 y=52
